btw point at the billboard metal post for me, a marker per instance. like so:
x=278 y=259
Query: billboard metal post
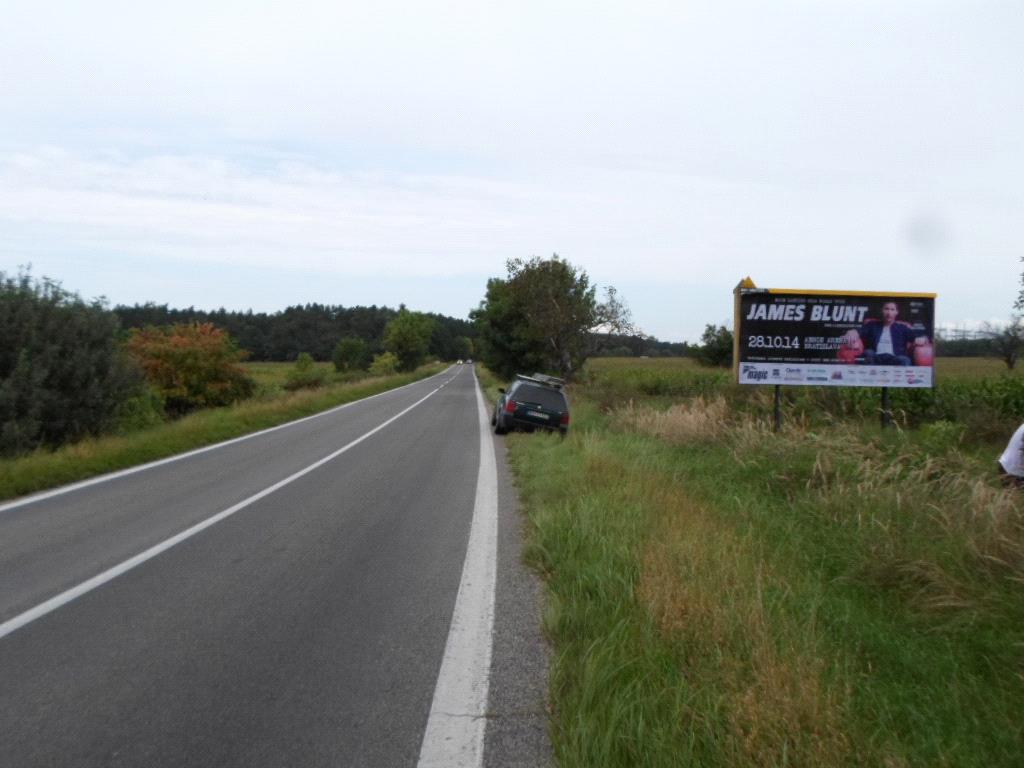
x=886 y=409
x=778 y=407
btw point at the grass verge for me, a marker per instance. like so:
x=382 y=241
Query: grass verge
x=719 y=595
x=974 y=392
x=45 y=469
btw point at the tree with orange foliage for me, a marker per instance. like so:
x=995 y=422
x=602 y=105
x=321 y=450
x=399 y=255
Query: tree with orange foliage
x=192 y=365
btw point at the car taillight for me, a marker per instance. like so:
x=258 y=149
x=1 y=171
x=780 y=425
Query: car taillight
x=565 y=419
x=510 y=406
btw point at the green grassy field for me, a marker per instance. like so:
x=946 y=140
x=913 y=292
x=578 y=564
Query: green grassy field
x=270 y=376
x=977 y=393
x=972 y=368
x=945 y=367
x=270 y=406
x=722 y=595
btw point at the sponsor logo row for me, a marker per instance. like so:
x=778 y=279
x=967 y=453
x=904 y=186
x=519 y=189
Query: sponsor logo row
x=836 y=375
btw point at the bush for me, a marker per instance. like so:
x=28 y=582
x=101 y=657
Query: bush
x=384 y=365
x=191 y=366
x=63 y=375
x=144 y=410
x=351 y=354
x=716 y=346
x=305 y=374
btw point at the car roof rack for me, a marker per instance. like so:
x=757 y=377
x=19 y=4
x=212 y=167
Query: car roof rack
x=543 y=379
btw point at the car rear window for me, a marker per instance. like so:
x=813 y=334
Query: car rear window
x=542 y=396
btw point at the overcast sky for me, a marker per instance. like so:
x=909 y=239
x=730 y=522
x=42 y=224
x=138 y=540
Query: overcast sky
x=248 y=154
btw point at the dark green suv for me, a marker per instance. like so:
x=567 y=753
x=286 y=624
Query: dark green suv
x=532 y=402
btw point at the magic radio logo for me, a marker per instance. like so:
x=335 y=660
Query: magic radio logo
x=750 y=373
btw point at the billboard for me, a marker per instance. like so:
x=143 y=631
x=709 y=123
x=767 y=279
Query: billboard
x=834 y=338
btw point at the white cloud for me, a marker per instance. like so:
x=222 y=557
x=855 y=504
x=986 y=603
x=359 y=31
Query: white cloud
x=654 y=143
x=203 y=209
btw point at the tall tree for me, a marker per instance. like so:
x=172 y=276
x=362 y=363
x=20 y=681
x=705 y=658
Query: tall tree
x=715 y=346
x=1019 y=304
x=63 y=374
x=506 y=343
x=545 y=315
x=407 y=337
x=1007 y=341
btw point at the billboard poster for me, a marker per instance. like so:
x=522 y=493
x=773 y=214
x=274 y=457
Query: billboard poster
x=834 y=338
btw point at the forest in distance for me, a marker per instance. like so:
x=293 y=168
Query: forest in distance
x=316 y=328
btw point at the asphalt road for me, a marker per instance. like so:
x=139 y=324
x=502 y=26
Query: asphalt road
x=305 y=628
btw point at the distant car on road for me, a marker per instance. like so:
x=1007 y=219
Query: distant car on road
x=532 y=402
x=458 y=362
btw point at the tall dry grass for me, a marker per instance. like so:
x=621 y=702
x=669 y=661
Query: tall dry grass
x=697 y=420
x=723 y=595
x=706 y=587
x=934 y=524
x=972 y=393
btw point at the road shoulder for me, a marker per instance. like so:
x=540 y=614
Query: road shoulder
x=517 y=728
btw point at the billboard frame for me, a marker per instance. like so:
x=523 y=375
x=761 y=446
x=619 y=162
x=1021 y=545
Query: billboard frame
x=747 y=286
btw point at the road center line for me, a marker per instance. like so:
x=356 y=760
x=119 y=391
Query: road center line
x=454 y=737
x=100 y=579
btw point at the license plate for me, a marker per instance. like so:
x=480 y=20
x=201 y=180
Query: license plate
x=538 y=415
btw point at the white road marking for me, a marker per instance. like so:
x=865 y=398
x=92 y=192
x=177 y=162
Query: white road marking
x=159 y=462
x=112 y=573
x=454 y=737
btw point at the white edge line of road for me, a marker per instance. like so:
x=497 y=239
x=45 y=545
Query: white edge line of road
x=100 y=579
x=177 y=457
x=454 y=736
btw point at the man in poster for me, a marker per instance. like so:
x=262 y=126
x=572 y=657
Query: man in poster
x=888 y=341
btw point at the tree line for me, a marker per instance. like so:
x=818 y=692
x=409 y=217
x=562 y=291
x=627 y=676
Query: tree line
x=315 y=329
x=71 y=369
x=638 y=345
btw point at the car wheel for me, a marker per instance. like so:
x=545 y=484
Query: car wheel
x=499 y=426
